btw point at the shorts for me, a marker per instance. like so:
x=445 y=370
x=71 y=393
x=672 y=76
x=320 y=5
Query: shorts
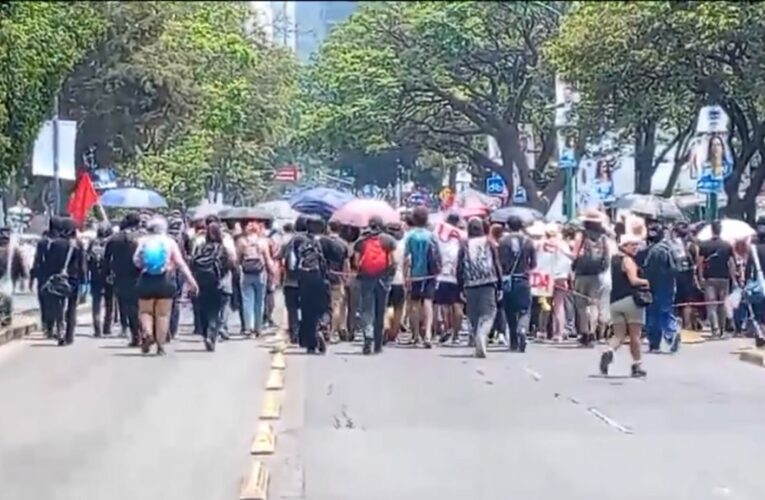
x=396 y=296
x=160 y=286
x=687 y=290
x=447 y=294
x=625 y=311
x=424 y=289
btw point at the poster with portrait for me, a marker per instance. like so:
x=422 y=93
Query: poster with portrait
x=714 y=163
x=566 y=99
x=566 y=151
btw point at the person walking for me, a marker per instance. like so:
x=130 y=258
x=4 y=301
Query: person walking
x=517 y=257
x=255 y=264
x=447 y=295
x=716 y=268
x=397 y=293
x=157 y=256
x=288 y=258
x=591 y=258
x=101 y=284
x=373 y=258
x=422 y=265
x=338 y=262
x=118 y=262
x=210 y=264
x=479 y=277
x=64 y=265
x=313 y=284
x=627 y=308
x=660 y=269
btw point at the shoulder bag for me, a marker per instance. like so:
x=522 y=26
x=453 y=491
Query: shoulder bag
x=59 y=285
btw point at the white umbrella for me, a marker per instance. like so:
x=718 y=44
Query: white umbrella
x=732 y=230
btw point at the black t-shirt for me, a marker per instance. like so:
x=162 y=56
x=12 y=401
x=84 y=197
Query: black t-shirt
x=516 y=247
x=716 y=254
x=336 y=252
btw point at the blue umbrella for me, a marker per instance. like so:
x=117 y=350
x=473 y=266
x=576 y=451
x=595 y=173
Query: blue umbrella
x=132 y=198
x=319 y=201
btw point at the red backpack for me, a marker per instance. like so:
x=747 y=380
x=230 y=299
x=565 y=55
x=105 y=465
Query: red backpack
x=374 y=258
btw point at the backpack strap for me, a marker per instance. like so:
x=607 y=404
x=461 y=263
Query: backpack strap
x=69 y=252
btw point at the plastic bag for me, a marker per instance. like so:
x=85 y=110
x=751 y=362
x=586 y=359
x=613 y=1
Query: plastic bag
x=732 y=301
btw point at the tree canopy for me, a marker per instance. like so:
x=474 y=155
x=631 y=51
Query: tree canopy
x=436 y=75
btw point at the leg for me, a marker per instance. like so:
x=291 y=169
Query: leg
x=723 y=290
x=653 y=322
x=259 y=287
x=487 y=310
x=248 y=303
x=427 y=313
x=292 y=305
x=70 y=317
x=710 y=297
x=146 y=309
x=511 y=317
x=222 y=304
x=523 y=303
x=367 y=307
x=162 y=322
x=108 y=308
x=582 y=303
x=380 y=304
x=96 y=297
x=559 y=312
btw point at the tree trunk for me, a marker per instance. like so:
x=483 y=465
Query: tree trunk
x=510 y=148
x=645 y=150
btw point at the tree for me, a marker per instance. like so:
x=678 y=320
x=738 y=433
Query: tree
x=653 y=64
x=40 y=43
x=440 y=76
x=188 y=82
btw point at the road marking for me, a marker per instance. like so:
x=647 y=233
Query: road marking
x=255 y=487
x=275 y=380
x=278 y=362
x=608 y=420
x=533 y=374
x=265 y=440
x=271 y=407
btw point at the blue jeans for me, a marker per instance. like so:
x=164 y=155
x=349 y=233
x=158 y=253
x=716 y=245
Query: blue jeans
x=253 y=299
x=374 y=300
x=660 y=316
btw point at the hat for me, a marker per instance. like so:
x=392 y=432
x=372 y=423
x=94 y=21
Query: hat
x=591 y=216
x=629 y=238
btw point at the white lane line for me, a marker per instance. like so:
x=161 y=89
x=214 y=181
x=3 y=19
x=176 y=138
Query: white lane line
x=533 y=374
x=608 y=420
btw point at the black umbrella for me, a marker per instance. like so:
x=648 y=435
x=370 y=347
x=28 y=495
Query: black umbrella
x=527 y=215
x=649 y=206
x=245 y=213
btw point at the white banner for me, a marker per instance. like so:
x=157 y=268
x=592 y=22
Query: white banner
x=42 y=156
x=541 y=278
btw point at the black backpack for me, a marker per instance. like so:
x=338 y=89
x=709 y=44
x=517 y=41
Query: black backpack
x=207 y=265
x=592 y=258
x=96 y=256
x=310 y=257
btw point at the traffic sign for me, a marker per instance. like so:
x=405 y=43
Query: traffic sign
x=495 y=184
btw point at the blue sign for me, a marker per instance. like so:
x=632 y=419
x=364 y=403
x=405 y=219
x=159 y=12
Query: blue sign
x=520 y=195
x=495 y=184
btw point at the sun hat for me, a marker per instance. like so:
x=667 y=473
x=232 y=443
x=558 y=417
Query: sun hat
x=628 y=238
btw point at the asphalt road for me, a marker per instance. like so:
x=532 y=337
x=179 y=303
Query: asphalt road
x=439 y=424
x=99 y=421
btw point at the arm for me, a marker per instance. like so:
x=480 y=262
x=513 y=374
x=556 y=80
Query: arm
x=270 y=265
x=180 y=262
x=532 y=249
x=732 y=269
x=700 y=267
x=631 y=269
x=461 y=268
x=137 y=260
x=17 y=265
x=497 y=266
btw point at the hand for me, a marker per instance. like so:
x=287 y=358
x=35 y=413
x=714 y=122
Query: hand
x=499 y=295
x=193 y=288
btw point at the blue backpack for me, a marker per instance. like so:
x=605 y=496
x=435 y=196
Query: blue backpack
x=155 y=256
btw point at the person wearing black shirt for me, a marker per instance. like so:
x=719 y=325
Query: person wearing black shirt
x=313 y=286
x=660 y=269
x=118 y=262
x=758 y=307
x=337 y=252
x=517 y=257
x=716 y=268
x=101 y=284
x=287 y=256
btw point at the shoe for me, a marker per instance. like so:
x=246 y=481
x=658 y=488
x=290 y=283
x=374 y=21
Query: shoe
x=146 y=345
x=61 y=341
x=605 y=360
x=427 y=344
x=675 y=344
x=378 y=349
x=638 y=372
x=310 y=350
x=522 y=343
x=107 y=333
x=161 y=351
x=224 y=336
x=209 y=345
x=367 y=349
x=322 y=344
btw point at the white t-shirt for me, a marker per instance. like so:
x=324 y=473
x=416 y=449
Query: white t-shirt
x=449 y=251
x=398 y=257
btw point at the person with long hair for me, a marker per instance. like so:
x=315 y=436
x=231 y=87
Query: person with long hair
x=157 y=257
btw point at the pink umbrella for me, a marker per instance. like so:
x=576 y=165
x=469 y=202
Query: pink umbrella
x=357 y=212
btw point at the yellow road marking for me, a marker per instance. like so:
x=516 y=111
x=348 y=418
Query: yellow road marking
x=255 y=487
x=278 y=362
x=275 y=380
x=265 y=440
x=271 y=407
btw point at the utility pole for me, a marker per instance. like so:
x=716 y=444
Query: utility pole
x=56 y=178
x=399 y=172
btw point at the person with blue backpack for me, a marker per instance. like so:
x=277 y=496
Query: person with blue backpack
x=157 y=257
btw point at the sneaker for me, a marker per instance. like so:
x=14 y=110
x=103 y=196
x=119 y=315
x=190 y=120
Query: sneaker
x=605 y=360
x=146 y=345
x=224 y=336
x=322 y=344
x=522 y=343
x=209 y=345
x=367 y=349
x=378 y=349
x=638 y=372
x=427 y=344
x=675 y=344
x=161 y=351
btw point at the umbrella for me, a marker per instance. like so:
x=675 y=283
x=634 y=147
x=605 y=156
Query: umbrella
x=732 y=230
x=245 y=213
x=132 y=198
x=358 y=212
x=319 y=201
x=279 y=209
x=204 y=210
x=649 y=206
x=526 y=214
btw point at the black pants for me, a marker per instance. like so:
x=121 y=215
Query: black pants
x=210 y=303
x=127 y=298
x=313 y=292
x=517 y=304
x=61 y=314
x=292 y=303
x=102 y=292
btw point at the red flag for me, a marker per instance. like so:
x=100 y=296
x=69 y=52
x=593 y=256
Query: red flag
x=83 y=198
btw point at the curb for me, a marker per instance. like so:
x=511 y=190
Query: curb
x=255 y=486
x=27 y=322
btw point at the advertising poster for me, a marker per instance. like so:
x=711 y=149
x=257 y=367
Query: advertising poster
x=711 y=160
x=566 y=98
